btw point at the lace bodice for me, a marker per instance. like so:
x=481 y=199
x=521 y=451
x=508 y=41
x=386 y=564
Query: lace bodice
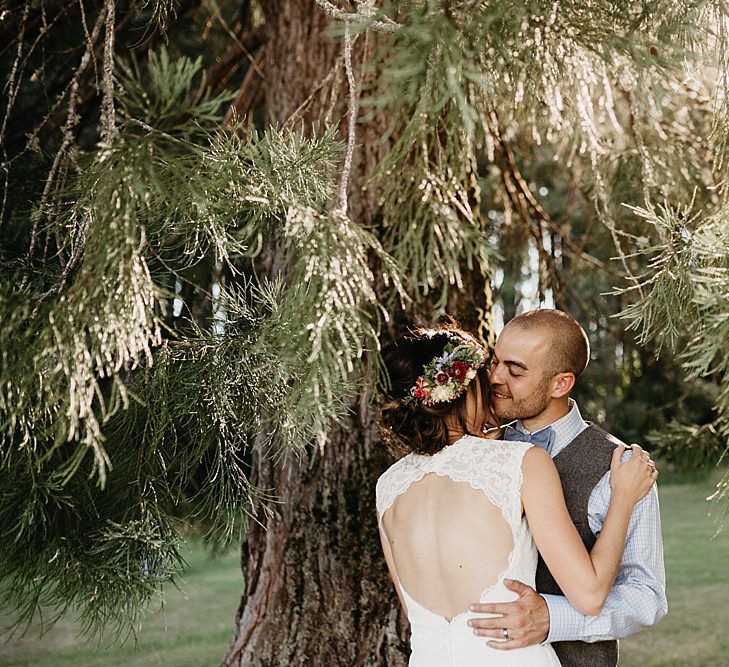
x=491 y=466
x=495 y=468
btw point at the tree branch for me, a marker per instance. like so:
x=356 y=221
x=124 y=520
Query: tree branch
x=244 y=46
x=72 y=119
x=346 y=171
x=250 y=87
x=530 y=203
x=387 y=25
x=108 y=114
x=13 y=87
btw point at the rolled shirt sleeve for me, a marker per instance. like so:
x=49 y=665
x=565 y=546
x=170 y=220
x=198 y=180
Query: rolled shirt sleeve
x=638 y=597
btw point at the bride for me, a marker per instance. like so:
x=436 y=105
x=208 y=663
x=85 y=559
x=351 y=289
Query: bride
x=461 y=512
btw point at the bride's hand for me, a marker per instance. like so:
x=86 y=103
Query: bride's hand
x=632 y=479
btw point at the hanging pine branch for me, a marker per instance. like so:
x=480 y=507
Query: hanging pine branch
x=92 y=392
x=192 y=302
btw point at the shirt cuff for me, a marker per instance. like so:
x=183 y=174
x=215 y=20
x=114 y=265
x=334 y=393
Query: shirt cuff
x=565 y=622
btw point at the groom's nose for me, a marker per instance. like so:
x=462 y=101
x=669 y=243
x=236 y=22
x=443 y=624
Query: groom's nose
x=496 y=374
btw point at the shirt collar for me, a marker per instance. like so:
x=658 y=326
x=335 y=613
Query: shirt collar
x=566 y=428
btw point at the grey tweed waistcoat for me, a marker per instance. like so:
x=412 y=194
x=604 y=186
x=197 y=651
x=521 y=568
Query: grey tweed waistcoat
x=581 y=465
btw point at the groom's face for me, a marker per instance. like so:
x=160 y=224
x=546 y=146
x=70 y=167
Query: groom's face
x=520 y=386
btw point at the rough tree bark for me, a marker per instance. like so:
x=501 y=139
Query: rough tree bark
x=316 y=586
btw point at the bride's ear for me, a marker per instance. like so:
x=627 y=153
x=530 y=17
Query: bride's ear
x=562 y=384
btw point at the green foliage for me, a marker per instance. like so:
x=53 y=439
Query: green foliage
x=101 y=319
x=166 y=91
x=685 y=301
x=667 y=285
x=189 y=296
x=64 y=551
x=429 y=225
x=689 y=447
x=333 y=284
x=170 y=421
x=553 y=65
x=261 y=175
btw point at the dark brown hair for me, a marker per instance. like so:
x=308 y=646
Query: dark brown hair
x=410 y=426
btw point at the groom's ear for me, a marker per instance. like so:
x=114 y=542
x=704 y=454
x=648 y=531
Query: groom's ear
x=562 y=384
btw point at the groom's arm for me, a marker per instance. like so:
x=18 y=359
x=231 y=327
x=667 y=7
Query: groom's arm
x=638 y=597
x=636 y=600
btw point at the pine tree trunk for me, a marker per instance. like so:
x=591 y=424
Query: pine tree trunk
x=317 y=591
x=316 y=585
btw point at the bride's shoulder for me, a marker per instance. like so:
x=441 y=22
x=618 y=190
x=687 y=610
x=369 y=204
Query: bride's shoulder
x=396 y=469
x=397 y=477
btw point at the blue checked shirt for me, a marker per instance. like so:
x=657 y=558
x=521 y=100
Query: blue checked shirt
x=638 y=597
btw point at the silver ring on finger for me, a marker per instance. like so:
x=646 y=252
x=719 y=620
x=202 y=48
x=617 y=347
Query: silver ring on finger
x=505 y=632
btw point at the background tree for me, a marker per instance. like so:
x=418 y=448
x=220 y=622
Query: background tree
x=213 y=212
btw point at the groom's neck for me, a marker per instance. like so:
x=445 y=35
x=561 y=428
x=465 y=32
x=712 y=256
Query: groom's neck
x=557 y=409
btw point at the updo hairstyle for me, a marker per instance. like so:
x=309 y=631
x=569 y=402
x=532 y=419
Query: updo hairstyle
x=409 y=426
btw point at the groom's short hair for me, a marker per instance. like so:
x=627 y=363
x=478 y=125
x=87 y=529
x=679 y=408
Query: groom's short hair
x=569 y=349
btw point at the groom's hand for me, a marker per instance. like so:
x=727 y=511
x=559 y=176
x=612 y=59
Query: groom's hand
x=526 y=619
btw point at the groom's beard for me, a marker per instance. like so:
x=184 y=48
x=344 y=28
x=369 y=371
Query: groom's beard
x=525 y=408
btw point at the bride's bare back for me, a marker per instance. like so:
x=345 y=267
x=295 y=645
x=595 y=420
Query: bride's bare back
x=449 y=543
x=452 y=529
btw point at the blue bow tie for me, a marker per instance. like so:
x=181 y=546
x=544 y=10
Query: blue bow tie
x=543 y=438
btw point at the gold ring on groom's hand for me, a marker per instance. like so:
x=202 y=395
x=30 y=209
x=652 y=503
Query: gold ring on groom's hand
x=505 y=632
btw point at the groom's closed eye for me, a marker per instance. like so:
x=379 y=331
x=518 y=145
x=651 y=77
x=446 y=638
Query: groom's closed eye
x=516 y=368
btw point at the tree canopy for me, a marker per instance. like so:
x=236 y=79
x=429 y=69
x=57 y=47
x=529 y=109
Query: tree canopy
x=184 y=276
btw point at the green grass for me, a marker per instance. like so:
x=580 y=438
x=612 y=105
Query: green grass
x=197 y=624
x=193 y=631
x=695 y=633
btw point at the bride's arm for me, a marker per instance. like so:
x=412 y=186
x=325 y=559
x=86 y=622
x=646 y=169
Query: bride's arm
x=390 y=563
x=585 y=578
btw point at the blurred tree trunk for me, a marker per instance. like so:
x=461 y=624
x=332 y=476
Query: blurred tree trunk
x=316 y=585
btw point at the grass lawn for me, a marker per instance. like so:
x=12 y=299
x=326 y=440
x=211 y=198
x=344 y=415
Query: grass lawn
x=193 y=631
x=197 y=624
x=696 y=631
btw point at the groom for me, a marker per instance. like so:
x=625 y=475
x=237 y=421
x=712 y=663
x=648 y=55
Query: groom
x=536 y=360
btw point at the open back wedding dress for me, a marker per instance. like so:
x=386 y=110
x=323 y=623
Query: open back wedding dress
x=456 y=524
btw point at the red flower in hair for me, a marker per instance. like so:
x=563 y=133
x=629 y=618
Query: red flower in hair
x=419 y=391
x=441 y=378
x=459 y=370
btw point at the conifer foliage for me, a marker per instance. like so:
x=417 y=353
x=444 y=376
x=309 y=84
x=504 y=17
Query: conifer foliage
x=183 y=279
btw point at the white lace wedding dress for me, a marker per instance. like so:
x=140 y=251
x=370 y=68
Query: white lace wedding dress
x=493 y=467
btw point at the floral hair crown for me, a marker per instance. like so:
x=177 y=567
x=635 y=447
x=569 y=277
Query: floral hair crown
x=447 y=376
